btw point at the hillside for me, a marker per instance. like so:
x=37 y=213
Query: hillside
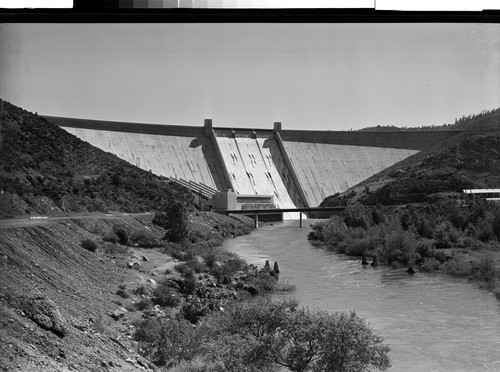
x=470 y=159
x=65 y=308
x=46 y=170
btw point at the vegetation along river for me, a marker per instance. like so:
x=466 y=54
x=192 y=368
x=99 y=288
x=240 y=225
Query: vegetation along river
x=432 y=322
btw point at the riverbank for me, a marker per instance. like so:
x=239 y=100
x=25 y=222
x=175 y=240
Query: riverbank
x=75 y=291
x=431 y=321
x=441 y=237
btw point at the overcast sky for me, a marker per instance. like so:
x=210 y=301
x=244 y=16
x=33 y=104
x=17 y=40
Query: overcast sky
x=308 y=76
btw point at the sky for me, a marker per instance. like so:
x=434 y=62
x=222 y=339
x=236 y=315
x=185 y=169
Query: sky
x=316 y=76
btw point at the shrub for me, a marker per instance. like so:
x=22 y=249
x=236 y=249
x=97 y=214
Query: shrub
x=265 y=335
x=110 y=238
x=193 y=310
x=425 y=247
x=147 y=333
x=356 y=215
x=317 y=233
x=210 y=259
x=122 y=292
x=183 y=268
x=191 y=265
x=446 y=235
x=142 y=291
x=115 y=249
x=357 y=247
x=143 y=304
x=261 y=283
x=189 y=283
x=228 y=268
x=440 y=256
x=485 y=269
x=144 y=239
x=165 y=296
x=167 y=341
x=457 y=267
x=180 y=251
x=121 y=233
x=89 y=245
x=430 y=264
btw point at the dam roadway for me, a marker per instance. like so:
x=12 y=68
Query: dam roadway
x=299 y=168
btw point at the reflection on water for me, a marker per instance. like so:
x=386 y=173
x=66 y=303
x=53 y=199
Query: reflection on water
x=432 y=322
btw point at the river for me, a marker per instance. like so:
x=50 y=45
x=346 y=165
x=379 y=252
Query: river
x=432 y=322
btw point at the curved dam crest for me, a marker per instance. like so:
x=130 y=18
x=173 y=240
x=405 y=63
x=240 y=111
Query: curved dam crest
x=298 y=168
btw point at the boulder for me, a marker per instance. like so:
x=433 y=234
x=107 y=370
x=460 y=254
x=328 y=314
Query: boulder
x=133 y=265
x=117 y=314
x=44 y=312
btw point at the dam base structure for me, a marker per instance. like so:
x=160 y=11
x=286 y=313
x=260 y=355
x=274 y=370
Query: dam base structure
x=299 y=169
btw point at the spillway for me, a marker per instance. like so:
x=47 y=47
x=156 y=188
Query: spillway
x=252 y=169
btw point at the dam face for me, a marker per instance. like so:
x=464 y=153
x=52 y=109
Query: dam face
x=298 y=168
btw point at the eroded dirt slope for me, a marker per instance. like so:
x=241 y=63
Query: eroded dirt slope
x=48 y=261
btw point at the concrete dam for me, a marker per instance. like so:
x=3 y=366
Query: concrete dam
x=298 y=168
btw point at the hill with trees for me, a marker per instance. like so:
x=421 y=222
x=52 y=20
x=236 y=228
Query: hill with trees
x=486 y=118
x=413 y=214
x=46 y=170
x=470 y=159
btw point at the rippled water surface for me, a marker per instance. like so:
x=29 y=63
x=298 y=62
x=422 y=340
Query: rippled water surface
x=432 y=322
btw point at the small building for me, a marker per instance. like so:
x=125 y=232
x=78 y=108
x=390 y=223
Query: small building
x=488 y=194
x=229 y=200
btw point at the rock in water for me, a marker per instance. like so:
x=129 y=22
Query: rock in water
x=276 y=268
x=267 y=266
x=276 y=271
x=375 y=261
x=44 y=312
x=411 y=270
x=364 y=261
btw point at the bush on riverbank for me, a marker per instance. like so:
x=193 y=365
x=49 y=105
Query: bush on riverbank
x=263 y=336
x=427 y=236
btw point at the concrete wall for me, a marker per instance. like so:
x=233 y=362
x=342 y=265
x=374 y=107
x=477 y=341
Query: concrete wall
x=170 y=156
x=325 y=169
x=300 y=168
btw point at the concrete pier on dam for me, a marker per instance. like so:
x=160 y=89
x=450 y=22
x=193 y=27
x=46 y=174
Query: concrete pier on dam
x=298 y=168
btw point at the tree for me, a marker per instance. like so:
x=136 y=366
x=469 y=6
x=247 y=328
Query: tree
x=281 y=333
x=173 y=217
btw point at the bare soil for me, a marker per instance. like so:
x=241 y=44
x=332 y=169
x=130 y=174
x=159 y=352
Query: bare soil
x=47 y=259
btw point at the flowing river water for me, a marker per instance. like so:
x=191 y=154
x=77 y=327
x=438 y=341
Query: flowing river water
x=432 y=322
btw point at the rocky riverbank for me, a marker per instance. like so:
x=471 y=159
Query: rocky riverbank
x=66 y=305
